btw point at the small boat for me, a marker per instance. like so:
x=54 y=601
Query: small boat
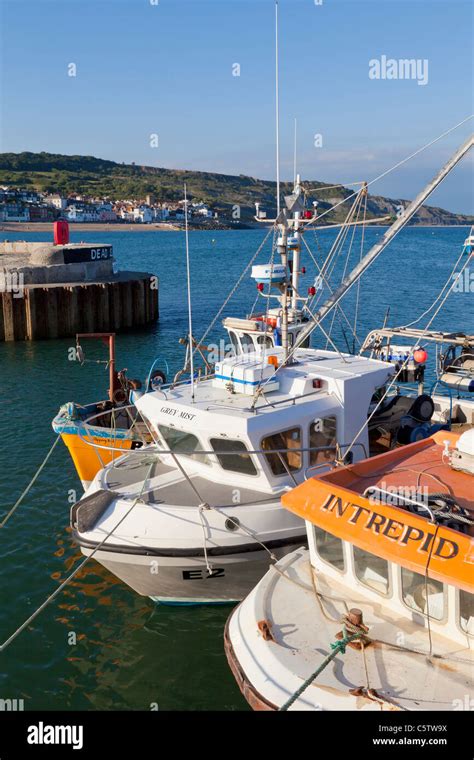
x=95 y=432
x=469 y=243
x=378 y=614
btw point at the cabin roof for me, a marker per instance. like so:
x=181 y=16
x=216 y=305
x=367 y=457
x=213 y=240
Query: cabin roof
x=326 y=365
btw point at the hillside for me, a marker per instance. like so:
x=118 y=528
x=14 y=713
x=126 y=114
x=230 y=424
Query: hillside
x=97 y=177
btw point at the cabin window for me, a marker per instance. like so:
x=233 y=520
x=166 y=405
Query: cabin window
x=283 y=443
x=247 y=343
x=466 y=612
x=235 y=343
x=329 y=548
x=372 y=571
x=265 y=340
x=423 y=595
x=237 y=461
x=181 y=442
x=322 y=432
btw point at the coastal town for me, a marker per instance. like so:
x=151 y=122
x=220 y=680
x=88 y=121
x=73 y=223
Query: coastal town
x=19 y=205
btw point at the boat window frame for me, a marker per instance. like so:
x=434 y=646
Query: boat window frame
x=203 y=460
x=236 y=472
x=346 y=566
x=235 y=342
x=300 y=452
x=334 y=416
x=441 y=620
x=458 y=612
x=386 y=595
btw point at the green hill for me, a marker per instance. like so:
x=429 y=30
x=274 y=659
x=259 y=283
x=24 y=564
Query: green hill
x=54 y=173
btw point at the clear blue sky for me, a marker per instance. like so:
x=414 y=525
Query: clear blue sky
x=167 y=69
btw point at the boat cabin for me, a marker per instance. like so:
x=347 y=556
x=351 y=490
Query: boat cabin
x=264 y=330
x=398 y=530
x=270 y=425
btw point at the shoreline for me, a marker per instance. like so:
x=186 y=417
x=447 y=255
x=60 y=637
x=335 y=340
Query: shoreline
x=164 y=227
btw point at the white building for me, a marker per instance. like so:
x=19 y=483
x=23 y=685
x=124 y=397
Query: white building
x=143 y=214
x=57 y=201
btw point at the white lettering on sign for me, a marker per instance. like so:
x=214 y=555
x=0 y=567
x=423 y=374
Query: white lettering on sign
x=99 y=253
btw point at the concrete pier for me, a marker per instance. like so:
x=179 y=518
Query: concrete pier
x=55 y=291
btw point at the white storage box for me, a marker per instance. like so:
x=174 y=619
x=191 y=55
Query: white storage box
x=245 y=374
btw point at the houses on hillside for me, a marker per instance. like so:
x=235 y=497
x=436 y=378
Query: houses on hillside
x=20 y=205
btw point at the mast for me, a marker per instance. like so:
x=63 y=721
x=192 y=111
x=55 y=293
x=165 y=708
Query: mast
x=294 y=156
x=188 y=272
x=277 y=112
x=377 y=249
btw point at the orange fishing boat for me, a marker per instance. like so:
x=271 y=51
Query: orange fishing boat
x=379 y=612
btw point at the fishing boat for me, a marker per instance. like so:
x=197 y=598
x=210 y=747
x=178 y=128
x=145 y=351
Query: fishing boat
x=113 y=424
x=196 y=517
x=468 y=248
x=417 y=407
x=378 y=614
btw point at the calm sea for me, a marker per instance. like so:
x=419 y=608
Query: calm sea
x=131 y=654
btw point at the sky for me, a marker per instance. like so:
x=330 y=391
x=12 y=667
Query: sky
x=155 y=84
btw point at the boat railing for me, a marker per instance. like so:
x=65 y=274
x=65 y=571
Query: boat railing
x=112 y=416
x=390 y=497
x=255 y=409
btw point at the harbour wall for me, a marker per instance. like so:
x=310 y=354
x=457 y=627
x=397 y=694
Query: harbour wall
x=49 y=291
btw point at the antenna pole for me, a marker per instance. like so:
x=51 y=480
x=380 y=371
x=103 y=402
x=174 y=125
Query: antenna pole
x=294 y=158
x=277 y=113
x=190 y=313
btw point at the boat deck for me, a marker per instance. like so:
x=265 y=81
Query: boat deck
x=167 y=485
x=418 y=468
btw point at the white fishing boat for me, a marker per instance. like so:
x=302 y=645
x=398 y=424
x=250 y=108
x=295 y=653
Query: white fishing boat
x=197 y=517
x=378 y=614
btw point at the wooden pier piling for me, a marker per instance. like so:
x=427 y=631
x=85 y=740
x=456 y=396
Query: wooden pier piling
x=51 y=291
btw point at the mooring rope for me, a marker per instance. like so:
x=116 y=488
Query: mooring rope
x=338 y=647
x=72 y=575
x=30 y=484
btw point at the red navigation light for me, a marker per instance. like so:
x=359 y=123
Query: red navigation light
x=303 y=270
x=308 y=214
x=312 y=291
x=260 y=286
x=317 y=383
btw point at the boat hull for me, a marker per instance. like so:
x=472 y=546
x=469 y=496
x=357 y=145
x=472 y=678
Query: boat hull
x=101 y=447
x=281 y=634
x=185 y=579
x=93 y=446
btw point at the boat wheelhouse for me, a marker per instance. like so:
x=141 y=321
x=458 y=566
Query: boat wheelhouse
x=389 y=571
